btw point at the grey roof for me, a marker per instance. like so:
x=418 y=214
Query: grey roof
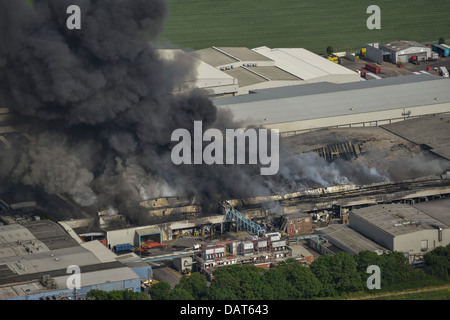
x=245 y=77
x=213 y=57
x=51 y=234
x=99 y=277
x=14 y=232
x=438 y=209
x=397 y=219
x=433 y=131
x=148 y=231
x=348 y=239
x=296 y=215
x=402 y=45
x=299 y=251
x=320 y=88
x=323 y=100
x=274 y=73
x=244 y=54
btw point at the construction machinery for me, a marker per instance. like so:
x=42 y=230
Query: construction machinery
x=334 y=58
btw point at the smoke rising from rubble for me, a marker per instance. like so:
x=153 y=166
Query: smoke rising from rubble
x=99 y=102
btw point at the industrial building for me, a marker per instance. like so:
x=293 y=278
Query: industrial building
x=298 y=109
x=35 y=256
x=265 y=252
x=225 y=71
x=348 y=240
x=397 y=51
x=401 y=227
x=308 y=66
x=430 y=132
x=297 y=223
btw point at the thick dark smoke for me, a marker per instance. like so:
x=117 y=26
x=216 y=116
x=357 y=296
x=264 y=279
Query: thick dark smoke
x=99 y=102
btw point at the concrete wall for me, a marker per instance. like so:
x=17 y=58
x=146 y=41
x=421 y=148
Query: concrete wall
x=412 y=242
x=358 y=120
x=374 y=52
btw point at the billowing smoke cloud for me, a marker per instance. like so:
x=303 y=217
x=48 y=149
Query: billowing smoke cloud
x=99 y=102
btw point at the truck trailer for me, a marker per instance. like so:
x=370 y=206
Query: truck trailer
x=373 y=68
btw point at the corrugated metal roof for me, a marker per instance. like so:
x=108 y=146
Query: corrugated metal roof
x=214 y=57
x=244 y=54
x=322 y=100
x=302 y=63
x=397 y=219
x=14 y=232
x=100 y=277
x=402 y=45
x=348 y=239
x=245 y=77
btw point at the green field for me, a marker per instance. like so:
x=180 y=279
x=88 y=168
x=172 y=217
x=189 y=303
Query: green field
x=314 y=25
x=443 y=294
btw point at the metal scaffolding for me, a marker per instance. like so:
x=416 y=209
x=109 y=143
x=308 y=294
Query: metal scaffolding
x=243 y=222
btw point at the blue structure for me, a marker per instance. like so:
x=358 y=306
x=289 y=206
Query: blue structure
x=443 y=51
x=123 y=247
x=243 y=222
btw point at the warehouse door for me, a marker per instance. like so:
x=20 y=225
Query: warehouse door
x=424 y=245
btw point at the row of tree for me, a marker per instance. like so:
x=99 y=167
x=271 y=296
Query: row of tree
x=328 y=276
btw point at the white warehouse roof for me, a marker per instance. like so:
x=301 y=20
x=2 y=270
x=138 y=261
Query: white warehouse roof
x=240 y=70
x=304 y=64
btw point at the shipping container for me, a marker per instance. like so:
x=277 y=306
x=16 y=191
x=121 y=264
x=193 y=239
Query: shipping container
x=373 y=68
x=123 y=247
x=363 y=72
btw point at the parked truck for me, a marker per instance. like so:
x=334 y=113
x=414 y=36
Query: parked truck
x=443 y=72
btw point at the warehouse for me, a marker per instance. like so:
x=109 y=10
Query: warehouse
x=206 y=76
x=397 y=51
x=35 y=257
x=250 y=69
x=308 y=66
x=400 y=227
x=299 y=109
x=348 y=240
x=224 y=71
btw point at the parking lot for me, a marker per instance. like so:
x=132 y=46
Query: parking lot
x=391 y=70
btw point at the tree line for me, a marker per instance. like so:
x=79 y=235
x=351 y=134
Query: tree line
x=328 y=276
